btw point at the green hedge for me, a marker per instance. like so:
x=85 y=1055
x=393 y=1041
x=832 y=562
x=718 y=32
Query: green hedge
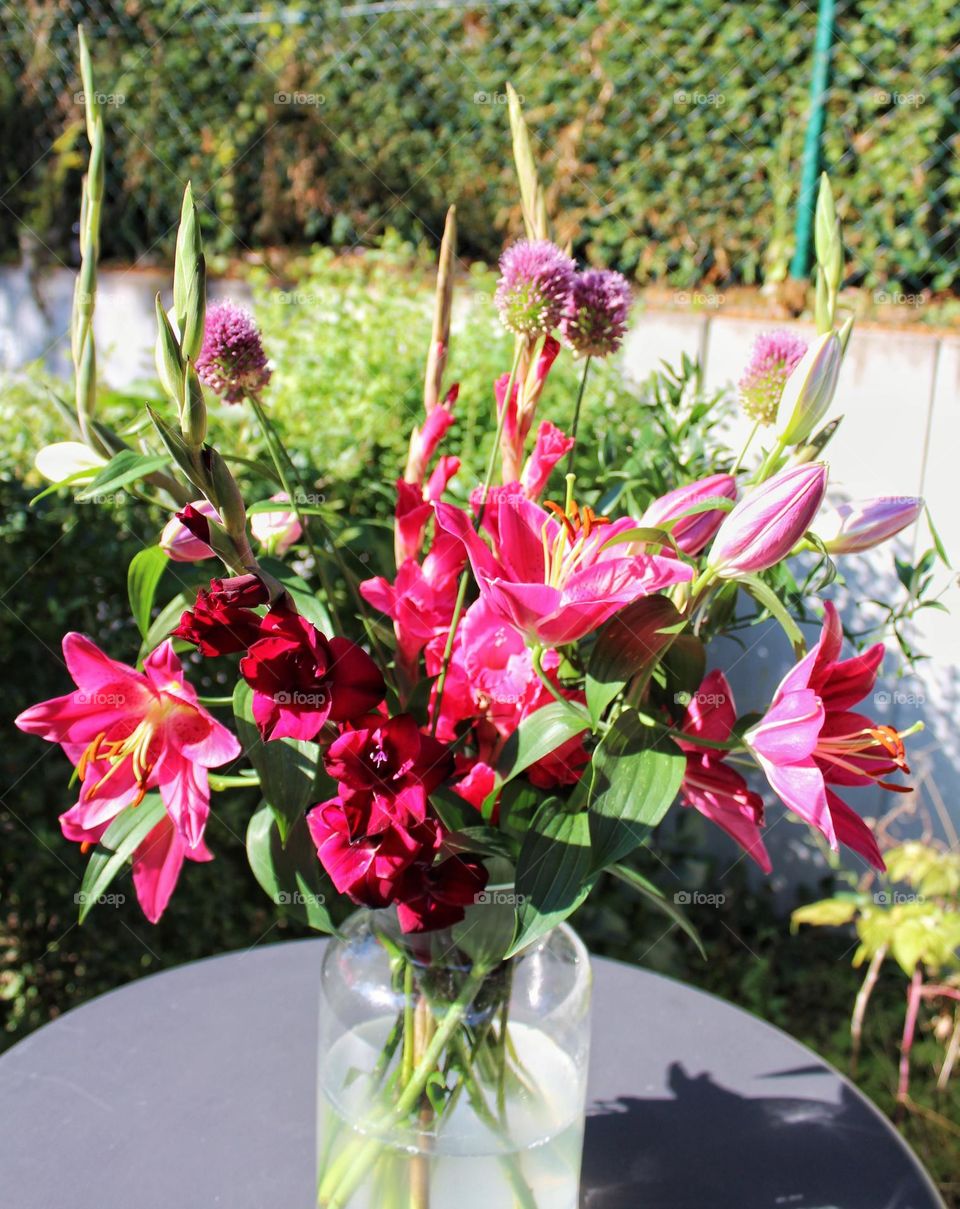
x=671 y=131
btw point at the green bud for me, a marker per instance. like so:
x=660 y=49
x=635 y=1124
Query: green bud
x=845 y=333
x=189 y=279
x=189 y=460
x=809 y=390
x=170 y=365
x=193 y=417
x=226 y=497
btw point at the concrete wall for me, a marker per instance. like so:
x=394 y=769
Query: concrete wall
x=899 y=393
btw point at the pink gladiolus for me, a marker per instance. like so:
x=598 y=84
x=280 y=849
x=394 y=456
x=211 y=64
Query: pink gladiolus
x=710 y=785
x=810 y=739
x=866 y=523
x=424 y=441
x=768 y=522
x=276 y=531
x=181 y=545
x=128 y=732
x=554 y=577
x=551 y=446
x=522 y=407
x=413 y=508
x=691 y=533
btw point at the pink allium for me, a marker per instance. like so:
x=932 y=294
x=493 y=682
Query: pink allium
x=232 y=361
x=775 y=356
x=535 y=283
x=595 y=318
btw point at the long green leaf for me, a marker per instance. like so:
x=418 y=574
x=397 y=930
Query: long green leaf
x=766 y=596
x=143 y=575
x=117 y=845
x=124 y=467
x=629 y=642
x=659 y=901
x=290 y=872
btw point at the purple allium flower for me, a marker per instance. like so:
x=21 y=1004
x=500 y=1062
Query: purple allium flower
x=595 y=318
x=535 y=282
x=775 y=356
x=232 y=361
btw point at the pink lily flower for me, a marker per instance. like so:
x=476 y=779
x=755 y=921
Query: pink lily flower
x=691 y=533
x=128 y=732
x=551 y=446
x=769 y=521
x=709 y=785
x=554 y=576
x=810 y=739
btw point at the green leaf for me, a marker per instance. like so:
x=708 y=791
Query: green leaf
x=630 y=641
x=827 y=913
x=165 y=621
x=636 y=775
x=143 y=575
x=290 y=871
x=79 y=476
x=937 y=542
x=659 y=901
x=124 y=467
x=659 y=537
x=288 y=768
x=553 y=871
x=766 y=596
x=537 y=736
x=116 y=846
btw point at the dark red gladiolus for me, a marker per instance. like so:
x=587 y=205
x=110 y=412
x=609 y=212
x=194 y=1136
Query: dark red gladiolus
x=301 y=679
x=222 y=621
x=436 y=896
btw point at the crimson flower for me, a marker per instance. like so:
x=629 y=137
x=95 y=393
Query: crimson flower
x=710 y=785
x=222 y=621
x=301 y=679
x=555 y=576
x=810 y=739
x=437 y=895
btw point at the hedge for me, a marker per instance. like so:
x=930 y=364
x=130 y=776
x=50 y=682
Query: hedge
x=671 y=131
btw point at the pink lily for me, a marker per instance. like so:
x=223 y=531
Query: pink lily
x=809 y=739
x=554 y=576
x=709 y=785
x=691 y=533
x=128 y=732
x=866 y=523
x=769 y=521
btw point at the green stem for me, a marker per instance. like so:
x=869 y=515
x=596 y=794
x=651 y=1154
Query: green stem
x=536 y=656
x=465 y=576
x=743 y=452
x=238 y=782
x=576 y=416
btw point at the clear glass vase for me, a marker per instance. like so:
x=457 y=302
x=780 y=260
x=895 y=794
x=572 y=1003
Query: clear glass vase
x=447 y=1080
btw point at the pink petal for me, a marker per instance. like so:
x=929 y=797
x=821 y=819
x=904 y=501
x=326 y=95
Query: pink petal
x=789 y=730
x=853 y=831
x=712 y=712
x=801 y=789
x=156 y=867
x=521 y=542
x=186 y=794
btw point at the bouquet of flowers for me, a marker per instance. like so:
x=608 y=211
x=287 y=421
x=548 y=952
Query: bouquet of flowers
x=465 y=743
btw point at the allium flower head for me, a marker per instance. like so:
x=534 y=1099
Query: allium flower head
x=595 y=318
x=535 y=283
x=232 y=361
x=775 y=356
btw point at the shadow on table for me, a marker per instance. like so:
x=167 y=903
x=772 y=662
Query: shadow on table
x=709 y=1148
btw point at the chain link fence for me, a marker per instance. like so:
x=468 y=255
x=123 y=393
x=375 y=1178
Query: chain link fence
x=670 y=131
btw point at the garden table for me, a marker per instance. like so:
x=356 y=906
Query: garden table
x=194 y=1088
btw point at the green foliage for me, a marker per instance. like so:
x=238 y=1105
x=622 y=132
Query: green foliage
x=664 y=138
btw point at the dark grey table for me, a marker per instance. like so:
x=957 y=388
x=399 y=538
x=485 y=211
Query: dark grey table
x=195 y=1088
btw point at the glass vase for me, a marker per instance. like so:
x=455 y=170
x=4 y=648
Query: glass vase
x=448 y=1080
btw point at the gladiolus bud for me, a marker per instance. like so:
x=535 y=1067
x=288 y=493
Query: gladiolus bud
x=691 y=533
x=193 y=418
x=863 y=524
x=809 y=390
x=765 y=526
x=227 y=494
x=167 y=356
x=185 y=542
x=276 y=531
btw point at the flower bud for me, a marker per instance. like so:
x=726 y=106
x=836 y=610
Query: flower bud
x=276 y=531
x=167 y=356
x=227 y=493
x=863 y=524
x=766 y=524
x=809 y=390
x=185 y=543
x=193 y=417
x=691 y=533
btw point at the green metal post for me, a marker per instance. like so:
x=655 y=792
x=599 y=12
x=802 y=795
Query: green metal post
x=819 y=81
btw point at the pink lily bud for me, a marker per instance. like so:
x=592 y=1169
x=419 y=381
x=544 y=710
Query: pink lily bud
x=863 y=524
x=184 y=546
x=691 y=533
x=276 y=531
x=768 y=522
x=809 y=390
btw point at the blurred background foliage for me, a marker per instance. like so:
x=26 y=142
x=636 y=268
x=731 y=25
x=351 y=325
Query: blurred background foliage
x=671 y=132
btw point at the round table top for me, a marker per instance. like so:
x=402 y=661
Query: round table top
x=195 y=1088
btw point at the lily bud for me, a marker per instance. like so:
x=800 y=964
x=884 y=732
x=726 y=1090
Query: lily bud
x=188 y=542
x=766 y=524
x=276 y=531
x=863 y=524
x=691 y=533
x=809 y=390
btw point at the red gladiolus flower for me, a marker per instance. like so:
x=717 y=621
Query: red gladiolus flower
x=222 y=621
x=809 y=739
x=301 y=679
x=436 y=896
x=711 y=786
